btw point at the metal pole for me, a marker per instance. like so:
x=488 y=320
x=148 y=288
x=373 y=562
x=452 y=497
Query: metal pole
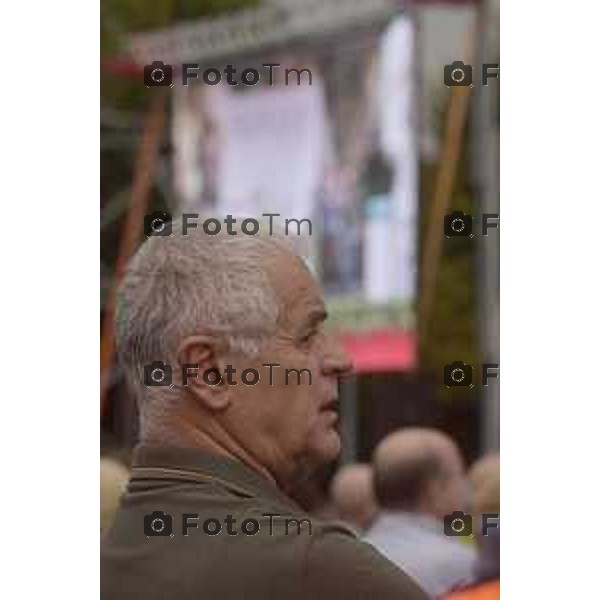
x=349 y=421
x=486 y=163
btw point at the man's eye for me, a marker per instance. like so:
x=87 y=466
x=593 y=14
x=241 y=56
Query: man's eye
x=305 y=339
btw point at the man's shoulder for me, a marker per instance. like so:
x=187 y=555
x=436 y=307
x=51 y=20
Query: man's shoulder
x=325 y=559
x=340 y=564
x=452 y=551
x=289 y=534
x=280 y=521
x=417 y=535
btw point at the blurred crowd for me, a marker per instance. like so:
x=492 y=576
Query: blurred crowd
x=398 y=503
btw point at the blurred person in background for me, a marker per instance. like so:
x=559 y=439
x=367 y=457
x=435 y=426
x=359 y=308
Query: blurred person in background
x=485 y=479
x=419 y=479
x=483 y=472
x=113 y=480
x=221 y=450
x=353 y=495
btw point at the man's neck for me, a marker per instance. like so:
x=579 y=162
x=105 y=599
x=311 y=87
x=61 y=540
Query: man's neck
x=222 y=444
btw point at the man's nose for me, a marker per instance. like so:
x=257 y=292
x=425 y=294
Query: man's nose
x=336 y=360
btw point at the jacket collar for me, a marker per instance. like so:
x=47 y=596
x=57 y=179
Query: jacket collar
x=186 y=463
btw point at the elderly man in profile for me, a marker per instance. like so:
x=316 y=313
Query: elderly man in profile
x=206 y=513
x=419 y=479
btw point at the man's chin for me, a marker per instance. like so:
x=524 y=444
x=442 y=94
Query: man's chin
x=328 y=447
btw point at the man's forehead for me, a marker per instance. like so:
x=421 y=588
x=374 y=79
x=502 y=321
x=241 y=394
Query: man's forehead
x=294 y=284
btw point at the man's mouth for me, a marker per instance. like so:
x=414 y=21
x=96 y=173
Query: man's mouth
x=332 y=405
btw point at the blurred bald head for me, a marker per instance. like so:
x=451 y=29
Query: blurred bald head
x=113 y=480
x=419 y=470
x=484 y=476
x=353 y=495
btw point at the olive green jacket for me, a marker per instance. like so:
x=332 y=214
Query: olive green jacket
x=244 y=539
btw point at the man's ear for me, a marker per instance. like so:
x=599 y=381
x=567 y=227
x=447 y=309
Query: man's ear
x=201 y=359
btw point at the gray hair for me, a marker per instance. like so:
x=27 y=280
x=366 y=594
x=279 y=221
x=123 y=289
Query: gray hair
x=179 y=286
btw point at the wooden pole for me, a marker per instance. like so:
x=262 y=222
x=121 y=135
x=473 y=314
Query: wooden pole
x=456 y=119
x=143 y=178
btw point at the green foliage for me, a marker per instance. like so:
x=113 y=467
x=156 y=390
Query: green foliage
x=119 y=17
